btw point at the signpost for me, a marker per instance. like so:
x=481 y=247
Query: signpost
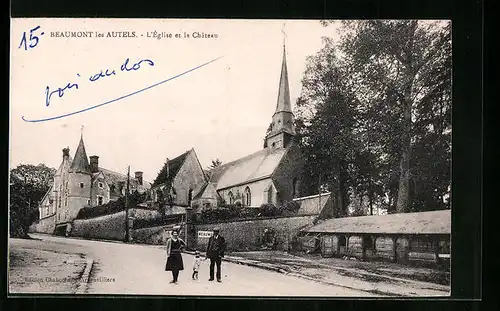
x=205 y=234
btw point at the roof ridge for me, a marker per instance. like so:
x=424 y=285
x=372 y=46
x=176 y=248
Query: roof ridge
x=270 y=151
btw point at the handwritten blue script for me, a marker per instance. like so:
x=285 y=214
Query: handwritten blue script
x=119 y=98
x=94 y=77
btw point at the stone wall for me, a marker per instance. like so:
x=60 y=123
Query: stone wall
x=246 y=235
x=155 y=235
x=112 y=227
x=108 y=227
x=45 y=225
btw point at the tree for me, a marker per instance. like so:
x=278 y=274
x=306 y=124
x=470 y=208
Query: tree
x=374 y=117
x=215 y=163
x=327 y=120
x=28 y=185
x=405 y=66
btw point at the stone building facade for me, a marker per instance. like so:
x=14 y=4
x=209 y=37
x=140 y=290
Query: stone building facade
x=79 y=183
x=179 y=180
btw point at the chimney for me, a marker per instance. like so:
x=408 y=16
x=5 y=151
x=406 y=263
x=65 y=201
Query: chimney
x=65 y=153
x=168 y=168
x=138 y=176
x=94 y=164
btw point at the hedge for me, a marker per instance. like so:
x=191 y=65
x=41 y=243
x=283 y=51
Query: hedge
x=111 y=207
x=155 y=222
x=233 y=212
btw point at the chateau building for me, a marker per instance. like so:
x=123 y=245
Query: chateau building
x=79 y=182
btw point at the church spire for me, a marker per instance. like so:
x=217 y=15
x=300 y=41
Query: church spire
x=282 y=128
x=80 y=161
x=283 y=104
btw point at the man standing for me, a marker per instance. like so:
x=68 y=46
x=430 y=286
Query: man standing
x=215 y=251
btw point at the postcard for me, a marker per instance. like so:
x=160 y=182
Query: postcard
x=230 y=157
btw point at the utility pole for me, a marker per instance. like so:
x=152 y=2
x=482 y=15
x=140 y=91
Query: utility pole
x=319 y=197
x=126 y=205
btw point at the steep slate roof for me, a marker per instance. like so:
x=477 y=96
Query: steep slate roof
x=283 y=103
x=114 y=178
x=80 y=162
x=434 y=222
x=254 y=166
x=200 y=193
x=173 y=166
x=312 y=205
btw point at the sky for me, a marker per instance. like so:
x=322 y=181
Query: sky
x=222 y=110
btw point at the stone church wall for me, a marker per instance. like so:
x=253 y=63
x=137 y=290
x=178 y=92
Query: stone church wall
x=290 y=167
x=257 y=191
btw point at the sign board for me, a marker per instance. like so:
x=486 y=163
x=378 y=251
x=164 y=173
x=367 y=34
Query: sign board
x=205 y=234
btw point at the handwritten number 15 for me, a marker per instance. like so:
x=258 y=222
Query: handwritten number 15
x=33 y=39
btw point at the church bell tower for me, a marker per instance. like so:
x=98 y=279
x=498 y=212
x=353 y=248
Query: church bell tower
x=282 y=128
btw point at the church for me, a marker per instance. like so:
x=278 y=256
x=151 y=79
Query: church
x=270 y=175
x=80 y=183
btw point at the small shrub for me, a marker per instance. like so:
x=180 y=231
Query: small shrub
x=290 y=208
x=269 y=209
x=249 y=212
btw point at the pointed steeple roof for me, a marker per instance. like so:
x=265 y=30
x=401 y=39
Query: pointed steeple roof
x=283 y=104
x=80 y=161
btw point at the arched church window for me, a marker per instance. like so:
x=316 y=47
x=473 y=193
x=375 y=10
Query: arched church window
x=270 y=195
x=248 y=197
x=231 y=197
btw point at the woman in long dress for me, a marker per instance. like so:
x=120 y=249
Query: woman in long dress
x=174 y=258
